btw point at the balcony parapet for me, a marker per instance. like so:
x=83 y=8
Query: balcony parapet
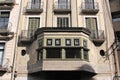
x=4 y=66
x=27 y=36
x=90 y=8
x=68 y=29
x=97 y=37
x=5 y=31
x=6 y=4
x=34 y=7
x=62 y=8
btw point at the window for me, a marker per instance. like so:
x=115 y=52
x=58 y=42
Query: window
x=2 y=47
x=85 y=43
x=116 y=16
x=49 y=42
x=76 y=42
x=39 y=55
x=57 y=42
x=53 y=53
x=4 y=18
x=40 y=42
x=63 y=4
x=89 y=4
x=33 y=24
x=86 y=57
x=68 y=42
x=91 y=24
x=35 y=4
x=73 y=53
x=63 y=22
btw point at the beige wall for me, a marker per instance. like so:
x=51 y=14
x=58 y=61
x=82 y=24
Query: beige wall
x=100 y=64
x=10 y=45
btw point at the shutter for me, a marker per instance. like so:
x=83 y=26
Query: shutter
x=29 y=27
x=88 y=23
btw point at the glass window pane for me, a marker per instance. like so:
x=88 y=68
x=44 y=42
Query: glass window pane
x=62 y=22
x=76 y=42
x=2 y=46
x=73 y=53
x=1 y=56
x=85 y=43
x=57 y=42
x=53 y=53
x=68 y=42
x=86 y=55
x=49 y=42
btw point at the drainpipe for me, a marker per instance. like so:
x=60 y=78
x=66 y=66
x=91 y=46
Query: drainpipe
x=16 y=42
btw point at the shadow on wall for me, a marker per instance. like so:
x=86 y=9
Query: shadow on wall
x=85 y=72
x=86 y=67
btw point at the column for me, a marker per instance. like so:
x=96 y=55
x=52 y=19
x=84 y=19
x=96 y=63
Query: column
x=82 y=54
x=63 y=53
x=44 y=53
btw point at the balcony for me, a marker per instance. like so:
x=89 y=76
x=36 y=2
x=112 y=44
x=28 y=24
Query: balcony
x=62 y=29
x=5 y=31
x=34 y=7
x=4 y=27
x=7 y=1
x=27 y=36
x=98 y=37
x=6 y=4
x=61 y=8
x=62 y=65
x=4 y=66
x=90 y=8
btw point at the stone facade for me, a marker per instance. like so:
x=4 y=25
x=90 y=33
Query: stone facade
x=9 y=15
x=61 y=39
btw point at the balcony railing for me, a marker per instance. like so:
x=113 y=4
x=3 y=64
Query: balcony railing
x=5 y=27
x=64 y=7
x=97 y=37
x=27 y=36
x=90 y=7
x=7 y=1
x=4 y=66
x=34 y=7
x=5 y=31
x=6 y=4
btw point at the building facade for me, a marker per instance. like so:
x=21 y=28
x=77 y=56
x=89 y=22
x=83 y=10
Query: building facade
x=115 y=11
x=9 y=13
x=64 y=39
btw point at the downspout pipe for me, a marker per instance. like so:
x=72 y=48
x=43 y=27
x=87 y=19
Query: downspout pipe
x=16 y=44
